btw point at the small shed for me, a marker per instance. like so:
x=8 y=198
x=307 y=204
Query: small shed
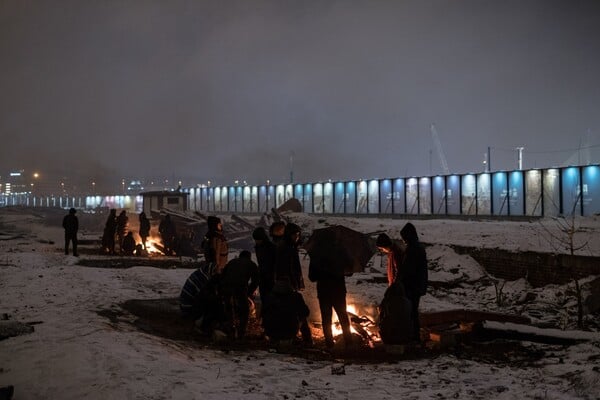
x=157 y=200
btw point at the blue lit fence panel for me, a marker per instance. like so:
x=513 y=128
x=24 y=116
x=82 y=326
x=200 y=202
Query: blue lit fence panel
x=453 y=194
x=339 y=196
x=308 y=198
x=350 y=197
x=500 y=193
x=299 y=195
x=571 y=191
x=328 y=198
x=362 y=197
x=468 y=195
x=516 y=195
x=533 y=192
x=484 y=194
x=438 y=189
x=373 y=197
x=591 y=190
x=551 y=192
x=412 y=196
x=385 y=194
x=279 y=195
x=398 y=193
x=425 y=195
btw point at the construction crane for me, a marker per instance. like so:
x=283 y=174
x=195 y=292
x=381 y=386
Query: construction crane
x=440 y=151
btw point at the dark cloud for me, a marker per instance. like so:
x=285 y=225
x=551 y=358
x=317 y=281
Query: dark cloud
x=226 y=90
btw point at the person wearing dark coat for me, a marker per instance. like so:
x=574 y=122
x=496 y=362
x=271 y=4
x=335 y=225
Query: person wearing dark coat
x=331 y=292
x=288 y=267
x=110 y=230
x=413 y=273
x=287 y=261
x=166 y=228
x=284 y=311
x=71 y=225
x=265 y=255
x=199 y=298
x=128 y=244
x=239 y=280
x=216 y=249
x=122 y=222
x=144 y=228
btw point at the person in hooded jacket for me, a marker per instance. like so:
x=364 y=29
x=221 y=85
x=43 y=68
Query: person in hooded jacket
x=110 y=230
x=287 y=260
x=144 y=228
x=216 y=249
x=239 y=280
x=265 y=255
x=284 y=312
x=71 y=225
x=288 y=267
x=413 y=273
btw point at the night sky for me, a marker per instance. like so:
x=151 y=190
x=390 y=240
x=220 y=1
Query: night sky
x=226 y=90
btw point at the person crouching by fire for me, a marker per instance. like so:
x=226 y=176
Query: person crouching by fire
x=284 y=312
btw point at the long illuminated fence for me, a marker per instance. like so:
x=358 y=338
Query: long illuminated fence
x=535 y=192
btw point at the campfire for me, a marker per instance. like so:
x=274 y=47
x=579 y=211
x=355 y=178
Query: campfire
x=361 y=325
x=153 y=245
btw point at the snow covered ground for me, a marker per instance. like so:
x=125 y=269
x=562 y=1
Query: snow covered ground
x=75 y=352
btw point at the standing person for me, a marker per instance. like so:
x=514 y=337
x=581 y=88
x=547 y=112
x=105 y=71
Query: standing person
x=394 y=253
x=144 y=228
x=284 y=312
x=215 y=245
x=413 y=273
x=326 y=271
x=239 y=281
x=166 y=228
x=288 y=267
x=122 y=223
x=265 y=255
x=110 y=230
x=71 y=225
x=287 y=261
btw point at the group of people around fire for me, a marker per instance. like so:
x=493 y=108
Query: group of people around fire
x=218 y=296
x=117 y=238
